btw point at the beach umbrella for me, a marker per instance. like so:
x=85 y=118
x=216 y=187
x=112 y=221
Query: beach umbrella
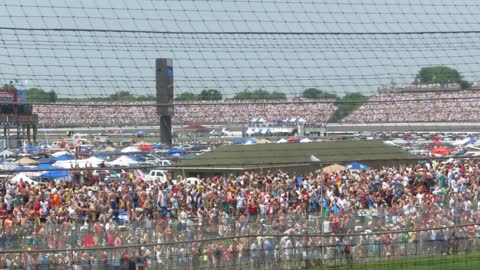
x=239 y=141
x=176 y=151
x=357 y=166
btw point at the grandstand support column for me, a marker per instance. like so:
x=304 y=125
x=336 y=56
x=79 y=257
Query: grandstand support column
x=19 y=134
x=164 y=87
x=29 y=133
x=34 y=135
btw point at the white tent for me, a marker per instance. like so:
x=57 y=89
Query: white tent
x=94 y=161
x=23 y=177
x=7 y=153
x=305 y=140
x=67 y=164
x=130 y=149
x=60 y=153
x=123 y=161
x=282 y=140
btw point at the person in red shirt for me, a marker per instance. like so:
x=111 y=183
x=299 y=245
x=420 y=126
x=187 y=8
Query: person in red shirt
x=3 y=213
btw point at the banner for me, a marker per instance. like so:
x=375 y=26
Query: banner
x=8 y=96
x=22 y=96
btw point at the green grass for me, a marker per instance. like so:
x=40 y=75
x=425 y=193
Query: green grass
x=450 y=262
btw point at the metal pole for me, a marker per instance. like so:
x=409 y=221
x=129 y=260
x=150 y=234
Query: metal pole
x=321 y=214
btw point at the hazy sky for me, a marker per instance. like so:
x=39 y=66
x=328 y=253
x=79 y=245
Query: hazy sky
x=320 y=43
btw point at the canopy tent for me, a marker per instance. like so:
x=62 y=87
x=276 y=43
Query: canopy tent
x=294 y=139
x=63 y=157
x=26 y=161
x=157 y=146
x=30 y=148
x=194 y=128
x=282 y=140
x=60 y=153
x=56 y=174
x=110 y=148
x=176 y=151
x=305 y=140
x=470 y=141
x=263 y=141
x=23 y=177
x=94 y=161
x=239 y=141
x=130 y=149
x=357 y=166
x=123 y=161
x=7 y=153
x=334 y=168
x=442 y=151
x=146 y=147
x=258 y=120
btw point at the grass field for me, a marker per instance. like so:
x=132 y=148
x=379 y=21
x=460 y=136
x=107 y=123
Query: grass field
x=450 y=262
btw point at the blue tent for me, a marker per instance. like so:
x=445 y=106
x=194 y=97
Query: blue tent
x=30 y=148
x=64 y=157
x=135 y=157
x=471 y=141
x=357 y=166
x=45 y=160
x=239 y=141
x=44 y=167
x=40 y=167
x=252 y=140
x=56 y=174
x=176 y=151
x=157 y=146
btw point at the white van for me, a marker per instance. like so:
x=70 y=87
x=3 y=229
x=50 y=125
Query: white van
x=156 y=175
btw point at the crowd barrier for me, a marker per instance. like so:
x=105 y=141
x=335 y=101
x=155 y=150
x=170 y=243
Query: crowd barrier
x=255 y=251
x=295 y=239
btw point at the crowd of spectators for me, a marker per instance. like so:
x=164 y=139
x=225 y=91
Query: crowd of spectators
x=419 y=87
x=198 y=112
x=421 y=199
x=458 y=106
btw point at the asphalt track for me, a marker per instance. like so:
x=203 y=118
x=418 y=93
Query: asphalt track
x=332 y=127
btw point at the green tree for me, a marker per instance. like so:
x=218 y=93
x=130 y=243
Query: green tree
x=52 y=96
x=347 y=104
x=244 y=95
x=314 y=93
x=186 y=96
x=210 y=94
x=278 y=95
x=7 y=86
x=121 y=95
x=38 y=95
x=441 y=75
x=259 y=94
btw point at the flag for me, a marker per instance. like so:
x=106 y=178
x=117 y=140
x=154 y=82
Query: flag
x=314 y=158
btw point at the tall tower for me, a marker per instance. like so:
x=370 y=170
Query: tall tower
x=164 y=77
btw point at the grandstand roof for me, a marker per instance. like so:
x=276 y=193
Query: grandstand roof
x=261 y=156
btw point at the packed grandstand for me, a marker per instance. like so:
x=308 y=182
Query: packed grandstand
x=414 y=105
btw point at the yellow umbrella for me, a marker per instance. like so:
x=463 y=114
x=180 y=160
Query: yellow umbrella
x=334 y=168
x=26 y=161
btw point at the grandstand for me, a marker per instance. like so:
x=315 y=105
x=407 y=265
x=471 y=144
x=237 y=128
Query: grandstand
x=436 y=106
x=203 y=112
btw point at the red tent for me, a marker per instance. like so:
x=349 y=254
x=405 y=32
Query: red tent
x=145 y=147
x=442 y=151
x=194 y=128
x=293 y=139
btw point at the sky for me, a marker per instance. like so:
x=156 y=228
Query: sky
x=95 y=48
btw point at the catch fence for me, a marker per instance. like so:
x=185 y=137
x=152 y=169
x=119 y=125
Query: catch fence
x=263 y=251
